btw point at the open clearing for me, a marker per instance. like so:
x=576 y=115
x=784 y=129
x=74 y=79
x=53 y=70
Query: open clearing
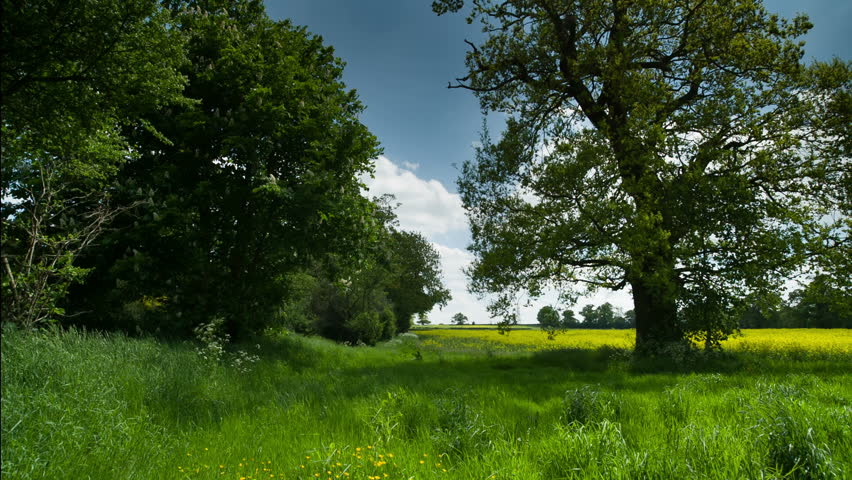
x=450 y=403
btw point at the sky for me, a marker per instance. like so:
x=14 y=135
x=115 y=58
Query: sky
x=400 y=57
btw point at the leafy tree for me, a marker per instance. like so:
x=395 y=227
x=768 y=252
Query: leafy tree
x=629 y=319
x=352 y=308
x=459 y=319
x=423 y=320
x=678 y=147
x=251 y=181
x=399 y=274
x=569 y=320
x=548 y=318
x=590 y=317
x=414 y=284
x=822 y=304
x=75 y=77
x=606 y=316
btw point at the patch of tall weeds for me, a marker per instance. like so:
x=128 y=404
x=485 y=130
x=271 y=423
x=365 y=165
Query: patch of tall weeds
x=794 y=445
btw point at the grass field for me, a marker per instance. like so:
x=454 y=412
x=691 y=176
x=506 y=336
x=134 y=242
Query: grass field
x=446 y=404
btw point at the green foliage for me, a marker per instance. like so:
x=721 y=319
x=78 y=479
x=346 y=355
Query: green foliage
x=459 y=319
x=548 y=317
x=75 y=76
x=249 y=181
x=569 y=320
x=414 y=284
x=679 y=148
x=793 y=449
x=605 y=316
x=369 y=326
x=399 y=277
x=587 y=405
x=820 y=304
x=460 y=430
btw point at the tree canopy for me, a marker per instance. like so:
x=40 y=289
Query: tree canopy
x=676 y=147
x=460 y=319
x=400 y=278
x=548 y=317
x=214 y=154
x=76 y=77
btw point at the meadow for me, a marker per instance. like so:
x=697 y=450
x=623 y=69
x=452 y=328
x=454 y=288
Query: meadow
x=443 y=403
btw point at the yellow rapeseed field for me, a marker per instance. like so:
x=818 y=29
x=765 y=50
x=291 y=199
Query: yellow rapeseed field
x=828 y=340
x=837 y=340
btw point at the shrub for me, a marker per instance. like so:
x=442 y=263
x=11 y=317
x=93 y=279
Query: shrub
x=366 y=327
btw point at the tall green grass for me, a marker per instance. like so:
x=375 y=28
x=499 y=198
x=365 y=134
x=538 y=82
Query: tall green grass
x=91 y=405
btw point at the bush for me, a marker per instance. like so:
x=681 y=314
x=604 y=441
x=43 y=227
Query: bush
x=366 y=327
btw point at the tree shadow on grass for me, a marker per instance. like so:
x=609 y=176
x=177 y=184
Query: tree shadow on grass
x=315 y=374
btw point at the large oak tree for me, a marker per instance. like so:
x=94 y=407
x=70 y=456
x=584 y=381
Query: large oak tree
x=676 y=147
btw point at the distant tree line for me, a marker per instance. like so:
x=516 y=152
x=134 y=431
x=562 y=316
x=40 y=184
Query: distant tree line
x=168 y=164
x=820 y=304
x=605 y=316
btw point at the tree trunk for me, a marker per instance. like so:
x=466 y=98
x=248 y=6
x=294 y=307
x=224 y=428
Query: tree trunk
x=655 y=303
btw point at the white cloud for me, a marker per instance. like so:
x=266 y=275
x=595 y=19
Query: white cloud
x=429 y=208
x=453 y=262
x=426 y=206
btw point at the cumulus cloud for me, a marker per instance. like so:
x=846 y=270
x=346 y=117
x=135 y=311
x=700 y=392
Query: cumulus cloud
x=454 y=261
x=426 y=205
x=429 y=208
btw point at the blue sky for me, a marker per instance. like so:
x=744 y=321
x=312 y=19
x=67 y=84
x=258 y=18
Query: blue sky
x=400 y=57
